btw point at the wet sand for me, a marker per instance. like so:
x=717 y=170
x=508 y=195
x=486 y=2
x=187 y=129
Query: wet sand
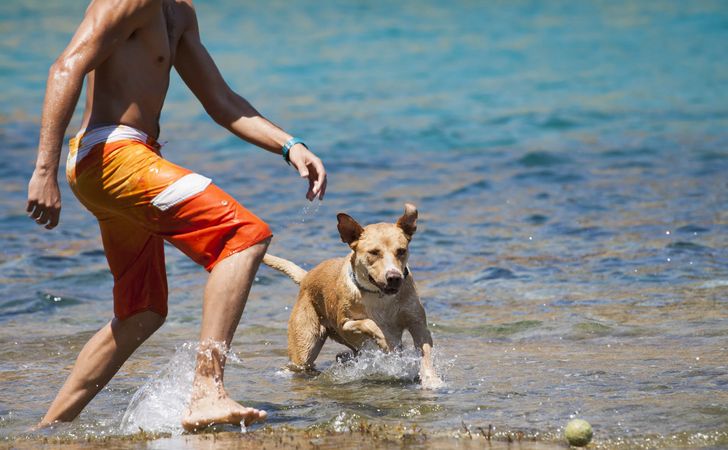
x=367 y=436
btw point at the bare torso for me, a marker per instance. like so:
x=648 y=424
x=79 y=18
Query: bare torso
x=125 y=49
x=130 y=86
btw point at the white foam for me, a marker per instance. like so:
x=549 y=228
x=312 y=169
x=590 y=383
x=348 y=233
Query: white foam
x=373 y=364
x=159 y=405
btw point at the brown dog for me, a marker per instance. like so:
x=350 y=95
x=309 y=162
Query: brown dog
x=368 y=295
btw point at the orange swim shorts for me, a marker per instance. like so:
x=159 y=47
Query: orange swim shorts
x=141 y=200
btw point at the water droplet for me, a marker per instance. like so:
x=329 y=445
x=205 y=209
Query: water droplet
x=667 y=232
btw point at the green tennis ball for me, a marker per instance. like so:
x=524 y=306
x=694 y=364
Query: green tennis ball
x=578 y=432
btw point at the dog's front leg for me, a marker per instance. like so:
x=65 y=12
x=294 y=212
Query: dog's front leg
x=423 y=341
x=368 y=327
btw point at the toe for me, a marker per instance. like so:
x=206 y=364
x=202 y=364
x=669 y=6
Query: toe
x=255 y=416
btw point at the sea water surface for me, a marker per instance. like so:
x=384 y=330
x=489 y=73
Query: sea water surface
x=570 y=165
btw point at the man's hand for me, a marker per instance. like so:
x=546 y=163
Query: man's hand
x=309 y=166
x=44 y=199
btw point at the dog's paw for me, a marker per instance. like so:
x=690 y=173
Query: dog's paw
x=344 y=357
x=383 y=344
x=431 y=381
x=305 y=371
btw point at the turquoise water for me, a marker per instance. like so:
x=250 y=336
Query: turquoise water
x=570 y=164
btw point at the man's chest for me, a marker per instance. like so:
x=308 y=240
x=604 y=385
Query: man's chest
x=158 y=40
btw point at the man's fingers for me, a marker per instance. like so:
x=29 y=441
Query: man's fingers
x=48 y=216
x=37 y=211
x=31 y=205
x=304 y=173
x=320 y=177
x=323 y=189
x=55 y=216
x=311 y=167
x=310 y=195
x=43 y=218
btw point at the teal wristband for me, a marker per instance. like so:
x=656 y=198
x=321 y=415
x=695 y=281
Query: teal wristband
x=287 y=148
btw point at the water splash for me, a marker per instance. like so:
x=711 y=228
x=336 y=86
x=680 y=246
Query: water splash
x=309 y=210
x=373 y=364
x=160 y=404
x=345 y=422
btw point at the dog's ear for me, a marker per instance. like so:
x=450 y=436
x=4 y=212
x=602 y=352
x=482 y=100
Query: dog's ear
x=408 y=221
x=349 y=229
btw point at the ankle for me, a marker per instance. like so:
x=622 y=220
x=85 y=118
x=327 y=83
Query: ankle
x=211 y=357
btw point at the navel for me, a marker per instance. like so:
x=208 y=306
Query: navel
x=160 y=59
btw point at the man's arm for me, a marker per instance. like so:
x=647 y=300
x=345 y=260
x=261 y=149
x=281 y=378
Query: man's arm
x=105 y=25
x=232 y=111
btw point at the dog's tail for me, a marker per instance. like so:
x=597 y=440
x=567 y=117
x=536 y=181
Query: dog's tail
x=283 y=265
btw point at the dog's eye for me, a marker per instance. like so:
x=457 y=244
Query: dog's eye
x=401 y=252
x=374 y=252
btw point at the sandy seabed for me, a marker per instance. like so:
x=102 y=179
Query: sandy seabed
x=367 y=437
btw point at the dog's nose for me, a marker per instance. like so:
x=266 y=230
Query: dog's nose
x=394 y=278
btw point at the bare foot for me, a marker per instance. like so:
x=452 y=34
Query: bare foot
x=40 y=426
x=215 y=410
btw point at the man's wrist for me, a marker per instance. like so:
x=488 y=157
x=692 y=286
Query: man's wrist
x=286 y=149
x=46 y=170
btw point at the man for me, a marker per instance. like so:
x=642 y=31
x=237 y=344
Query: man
x=126 y=49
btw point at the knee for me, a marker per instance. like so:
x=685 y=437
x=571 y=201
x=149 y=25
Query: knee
x=145 y=323
x=260 y=248
x=155 y=322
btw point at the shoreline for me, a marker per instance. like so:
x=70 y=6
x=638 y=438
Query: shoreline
x=364 y=435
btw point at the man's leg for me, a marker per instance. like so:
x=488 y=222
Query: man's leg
x=99 y=360
x=224 y=300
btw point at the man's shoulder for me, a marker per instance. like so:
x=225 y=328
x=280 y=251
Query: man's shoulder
x=182 y=10
x=185 y=6
x=127 y=5
x=122 y=10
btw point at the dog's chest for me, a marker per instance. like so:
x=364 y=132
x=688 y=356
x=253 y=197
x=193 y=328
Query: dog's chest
x=381 y=309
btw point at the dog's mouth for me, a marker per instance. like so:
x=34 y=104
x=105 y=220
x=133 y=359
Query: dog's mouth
x=390 y=291
x=386 y=290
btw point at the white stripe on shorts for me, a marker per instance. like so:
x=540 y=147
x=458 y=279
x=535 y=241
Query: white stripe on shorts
x=109 y=133
x=182 y=189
